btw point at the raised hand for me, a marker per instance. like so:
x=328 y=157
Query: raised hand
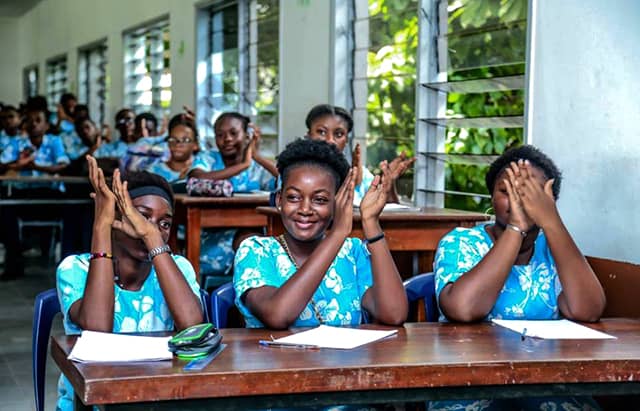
x=257 y=137
x=399 y=165
x=143 y=128
x=106 y=133
x=164 y=125
x=356 y=163
x=517 y=214
x=537 y=199
x=343 y=217
x=376 y=197
x=250 y=151
x=103 y=198
x=133 y=223
x=189 y=114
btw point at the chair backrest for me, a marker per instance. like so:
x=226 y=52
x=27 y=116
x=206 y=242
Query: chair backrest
x=205 y=300
x=423 y=287
x=221 y=301
x=46 y=306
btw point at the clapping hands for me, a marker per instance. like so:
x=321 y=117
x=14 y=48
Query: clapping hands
x=376 y=197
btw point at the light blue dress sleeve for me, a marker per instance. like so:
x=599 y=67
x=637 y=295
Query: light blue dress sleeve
x=11 y=152
x=361 y=189
x=71 y=279
x=254 y=267
x=59 y=155
x=458 y=252
x=189 y=273
x=363 y=264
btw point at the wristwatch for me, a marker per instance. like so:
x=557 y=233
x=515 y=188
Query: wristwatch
x=159 y=250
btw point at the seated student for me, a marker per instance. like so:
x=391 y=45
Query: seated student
x=525 y=265
x=183 y=142
x=125 y=124
x=147 y=146
x=130 y=282
x=333 y=125
x=307 y=276
x=68 y=113
x=39 y=154
x=238 y=161
x=10 y=122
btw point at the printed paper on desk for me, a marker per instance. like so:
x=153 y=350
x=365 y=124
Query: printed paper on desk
x=94 y=346
x=552 y=329
x=325 y=336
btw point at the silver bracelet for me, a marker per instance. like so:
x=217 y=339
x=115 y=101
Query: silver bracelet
x=517 y=230
x=159 y=250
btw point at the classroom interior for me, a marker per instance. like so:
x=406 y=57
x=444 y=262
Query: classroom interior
x=563 y=80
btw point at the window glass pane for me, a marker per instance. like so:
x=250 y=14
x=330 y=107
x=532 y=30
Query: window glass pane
x=56 y=82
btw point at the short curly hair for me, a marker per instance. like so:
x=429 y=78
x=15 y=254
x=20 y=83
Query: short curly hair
x=525 y=152
x=305 y=152
x=136 y=179
x=322 y=110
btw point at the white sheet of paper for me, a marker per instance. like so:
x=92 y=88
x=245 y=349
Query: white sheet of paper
x=106 y=347
x=325 y=336
x=398 y=207
x=553 y=329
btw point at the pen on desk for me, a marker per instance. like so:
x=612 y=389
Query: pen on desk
x=523 y=335
x=267 y=343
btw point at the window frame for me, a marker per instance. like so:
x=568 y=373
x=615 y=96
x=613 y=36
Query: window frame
x=53 y=94
x=92 y=88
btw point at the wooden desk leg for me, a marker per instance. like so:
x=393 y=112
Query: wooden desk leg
x=192 y=239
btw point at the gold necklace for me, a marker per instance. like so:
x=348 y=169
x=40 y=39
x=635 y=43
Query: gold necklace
x=283 y=242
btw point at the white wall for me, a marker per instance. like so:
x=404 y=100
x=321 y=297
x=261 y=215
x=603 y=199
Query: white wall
x=10 y=71
x=584 y=113
x=56 y=27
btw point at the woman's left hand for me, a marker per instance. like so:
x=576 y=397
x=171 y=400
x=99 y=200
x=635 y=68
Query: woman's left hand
x=132 y=223
x=376 y=197
x=537 y=199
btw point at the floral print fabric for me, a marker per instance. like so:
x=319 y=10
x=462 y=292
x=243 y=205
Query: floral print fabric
x=261 y=261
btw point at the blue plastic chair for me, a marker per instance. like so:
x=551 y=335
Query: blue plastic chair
x=205 y=300
x=46 y=306
x=422 y=286
x=221 y=301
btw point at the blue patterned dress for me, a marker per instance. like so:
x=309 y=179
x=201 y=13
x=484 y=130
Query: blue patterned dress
x=134 y=311
x=361 y=189
x=530 y=293
x=261 y=261
x=216 y=256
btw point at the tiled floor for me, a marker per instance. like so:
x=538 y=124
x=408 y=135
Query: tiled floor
x=16 y=312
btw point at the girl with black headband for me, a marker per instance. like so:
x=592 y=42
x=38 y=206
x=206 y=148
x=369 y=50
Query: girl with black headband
x=130 y=281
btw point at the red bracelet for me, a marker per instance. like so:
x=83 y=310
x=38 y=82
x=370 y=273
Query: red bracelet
x=93 y=256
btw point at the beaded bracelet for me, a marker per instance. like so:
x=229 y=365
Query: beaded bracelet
x=94 y=256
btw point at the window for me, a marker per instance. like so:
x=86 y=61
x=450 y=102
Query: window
x=56 y=81
x=383 y=82
x=147 y=73
x=92 y=80
x=238 y=65
x=30 y=81
x=470 y=98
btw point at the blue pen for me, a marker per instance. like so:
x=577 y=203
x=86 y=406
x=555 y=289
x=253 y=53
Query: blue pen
x=267 y=343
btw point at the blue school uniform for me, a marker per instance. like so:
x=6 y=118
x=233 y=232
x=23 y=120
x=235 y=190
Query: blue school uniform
x=217 y=253
x=261 y=261
x=144 y=310
x=113 y=149
x=73 y=145
x=141 y=154
x=530 y=292
x=50 y=153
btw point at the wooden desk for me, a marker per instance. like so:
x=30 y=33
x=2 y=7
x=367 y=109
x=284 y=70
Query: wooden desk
x=412 y=230
x=425 y=361
x=215 y=212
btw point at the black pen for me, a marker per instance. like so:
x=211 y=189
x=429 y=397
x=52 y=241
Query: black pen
x=523 y=335
x=267 y=343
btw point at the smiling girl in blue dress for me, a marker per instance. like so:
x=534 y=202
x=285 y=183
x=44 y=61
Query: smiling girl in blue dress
x=309 y=275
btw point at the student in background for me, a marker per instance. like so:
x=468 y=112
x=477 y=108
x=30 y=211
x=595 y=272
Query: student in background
x=183 y=143
x=10 y=123
x=147 y=145
x=125 y=124
x=130 y=281
x=333 y=125
x=523 y=266
x=307 y=276
x=66 y=113
x=74 y=146
x=39 y=154
x=238 y=161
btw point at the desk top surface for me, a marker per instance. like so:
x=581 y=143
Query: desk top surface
x=46 y=179
x=413 y=214
x=422 y=355
x=244 y=199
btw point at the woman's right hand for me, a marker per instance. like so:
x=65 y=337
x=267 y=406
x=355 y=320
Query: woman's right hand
x=343 y=217
x=517 y=215
x=103 y=197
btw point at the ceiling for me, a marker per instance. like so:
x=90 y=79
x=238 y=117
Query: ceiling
x=16 y=8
